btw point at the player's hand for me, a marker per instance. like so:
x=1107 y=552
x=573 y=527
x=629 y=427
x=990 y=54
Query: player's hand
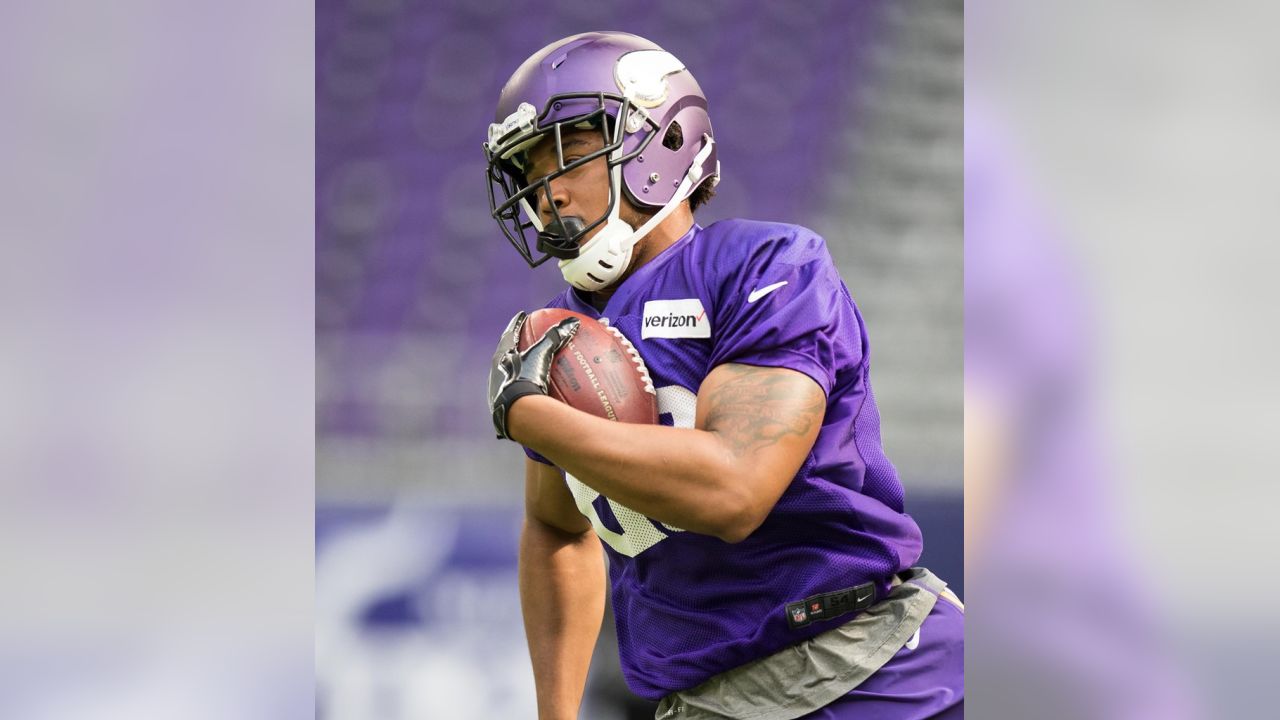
x=515 y=374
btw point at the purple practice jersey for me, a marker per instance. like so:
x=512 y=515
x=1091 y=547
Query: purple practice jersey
x=689 y=606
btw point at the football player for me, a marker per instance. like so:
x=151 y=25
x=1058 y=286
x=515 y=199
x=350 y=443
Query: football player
x=759 y=555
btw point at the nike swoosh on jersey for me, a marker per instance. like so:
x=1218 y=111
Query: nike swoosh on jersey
x=761 y=292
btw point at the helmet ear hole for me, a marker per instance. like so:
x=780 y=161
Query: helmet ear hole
x=674 y=138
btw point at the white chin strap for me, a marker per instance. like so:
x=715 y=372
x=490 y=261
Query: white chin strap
x=603 y=259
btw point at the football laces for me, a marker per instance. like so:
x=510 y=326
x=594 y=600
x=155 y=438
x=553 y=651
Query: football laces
x=635 y=356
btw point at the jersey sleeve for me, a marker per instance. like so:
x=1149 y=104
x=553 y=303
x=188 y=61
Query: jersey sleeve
x=784 y=305
x=536 y=457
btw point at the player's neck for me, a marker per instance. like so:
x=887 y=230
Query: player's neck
x=651 y=246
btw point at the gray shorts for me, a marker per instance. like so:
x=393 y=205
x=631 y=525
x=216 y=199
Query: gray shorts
x=816 y=672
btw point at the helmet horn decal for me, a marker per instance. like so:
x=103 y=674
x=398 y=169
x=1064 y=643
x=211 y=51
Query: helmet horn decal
x=642 y=76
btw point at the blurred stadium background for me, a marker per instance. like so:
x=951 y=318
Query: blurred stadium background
x=842 y=116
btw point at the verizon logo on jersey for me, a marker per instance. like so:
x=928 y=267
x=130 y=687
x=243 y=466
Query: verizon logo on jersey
x=675 y=319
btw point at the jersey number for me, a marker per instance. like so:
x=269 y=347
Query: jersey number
x=639 y=533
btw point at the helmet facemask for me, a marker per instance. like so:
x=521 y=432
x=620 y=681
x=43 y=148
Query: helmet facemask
x=514 y=201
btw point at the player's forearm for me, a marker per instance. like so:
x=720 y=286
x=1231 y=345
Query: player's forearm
x=562 y=599
x=680 y=476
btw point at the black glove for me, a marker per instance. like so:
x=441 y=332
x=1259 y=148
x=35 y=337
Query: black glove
x=515 y=374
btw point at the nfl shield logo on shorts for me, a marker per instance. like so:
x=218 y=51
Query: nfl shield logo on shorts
x=798 y=614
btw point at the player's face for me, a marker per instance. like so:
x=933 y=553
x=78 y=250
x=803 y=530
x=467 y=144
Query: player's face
x=582 y=192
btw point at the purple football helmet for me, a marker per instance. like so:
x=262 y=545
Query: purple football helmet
x=632 y=92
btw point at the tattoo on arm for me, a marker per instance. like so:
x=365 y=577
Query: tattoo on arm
x=756 y=407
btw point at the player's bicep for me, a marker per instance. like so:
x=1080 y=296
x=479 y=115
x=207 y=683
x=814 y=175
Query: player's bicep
x=548 y=500
x=768 y=417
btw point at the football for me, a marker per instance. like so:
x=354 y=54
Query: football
x=599 y=371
